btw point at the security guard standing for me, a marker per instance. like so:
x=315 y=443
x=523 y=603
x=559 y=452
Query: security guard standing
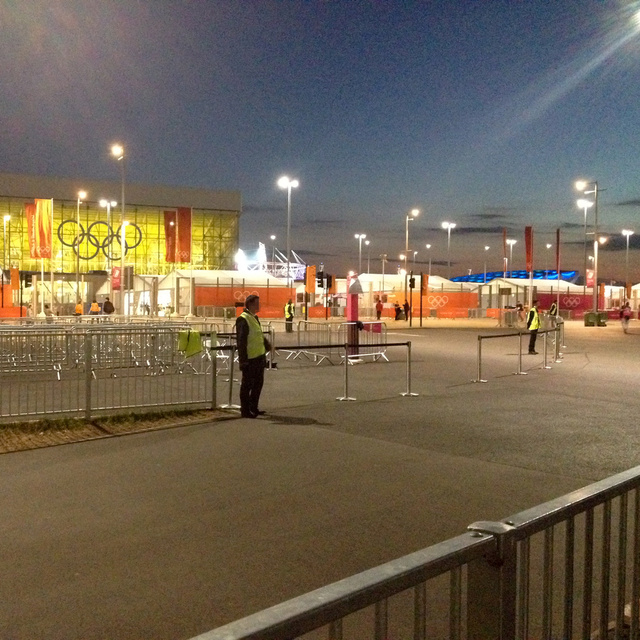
x=252 y=355
x=533 y=324
x=289 y=312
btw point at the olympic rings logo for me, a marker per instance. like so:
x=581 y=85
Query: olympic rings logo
x=571 y=301
x=437 y=301
x=99 y=236
x=241 y=296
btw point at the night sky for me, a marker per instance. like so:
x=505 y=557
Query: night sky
x=482 y=113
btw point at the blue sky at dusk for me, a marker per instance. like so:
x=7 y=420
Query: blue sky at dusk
x=478 y=112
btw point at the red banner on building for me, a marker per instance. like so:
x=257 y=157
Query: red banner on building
x=177 y=235
x=170 y=233
x=590 y=278
x=183 y=239
x=424 y=284
x=39 y=220
x=115 y=278
x=528 y=242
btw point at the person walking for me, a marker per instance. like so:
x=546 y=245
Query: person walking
x=625 y=316
x=252 y=356
x=533 y=324
x=289 y=312
x=378 y=309
x=107 y=306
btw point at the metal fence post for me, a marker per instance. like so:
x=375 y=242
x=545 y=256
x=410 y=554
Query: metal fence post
x=214 y=374
x=479 y=375
x=545 y=365
x=346 y=374
x=492 y=585
x=408 y=391
x=520 y=372
x=88 y=344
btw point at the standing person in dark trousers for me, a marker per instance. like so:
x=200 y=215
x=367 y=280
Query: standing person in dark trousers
x=252 y=354
x=407 y=310
x=107 y=306
x=379 y=307
x=533 y=324
x=289 y=312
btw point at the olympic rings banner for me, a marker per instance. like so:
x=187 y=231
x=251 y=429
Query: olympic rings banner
x=177 y=234
x=99 y=236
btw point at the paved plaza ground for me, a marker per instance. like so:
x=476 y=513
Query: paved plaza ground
x=169 y=533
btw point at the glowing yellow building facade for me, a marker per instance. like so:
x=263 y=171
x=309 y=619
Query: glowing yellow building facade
x=87 y=236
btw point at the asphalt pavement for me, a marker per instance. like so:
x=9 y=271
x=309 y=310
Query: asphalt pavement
x=167 y=534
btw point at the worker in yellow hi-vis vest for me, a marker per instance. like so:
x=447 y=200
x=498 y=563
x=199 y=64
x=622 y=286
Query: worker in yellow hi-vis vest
x=94 y=310
x=533 y=324
x=78 y=311
x=252 y=356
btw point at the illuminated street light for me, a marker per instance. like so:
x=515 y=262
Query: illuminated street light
x=511 y=242
x=628 y=233
x=486 y=248
x=79 y=236
x=581 y=185
x=123 y=250
x=285 y=183
x=585 y=204
x=117 y=151
x=414 y=213
x=367 y=243
x=428 y=246
x=360 y=237
x=448 y=226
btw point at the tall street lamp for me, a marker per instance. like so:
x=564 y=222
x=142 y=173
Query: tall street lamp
x=285 y=183
x=486 y=248
x=511 y=242
x=414 y=213
x=367 y=243
x=117 y=151
x=123 y=250
x=108 y=204
x=428 y=246
x=81 y=196
x=273 y=250
x=549 y=245
x=581 y=185
x=628 y=233
x=360 y=237
x=585 y=204
x=447 y=226
x=5 y=220
x=383 y=259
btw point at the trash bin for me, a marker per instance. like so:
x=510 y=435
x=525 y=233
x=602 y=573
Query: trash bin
x=590 y=319
x=603 y=316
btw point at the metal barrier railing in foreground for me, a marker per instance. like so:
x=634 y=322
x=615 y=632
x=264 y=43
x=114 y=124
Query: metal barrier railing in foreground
x=50 y=370
x=550 y=572
x=557 y=355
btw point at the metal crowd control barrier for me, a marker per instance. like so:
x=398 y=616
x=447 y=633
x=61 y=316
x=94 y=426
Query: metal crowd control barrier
x=371 y=343
x=568 y=568
x=68 y=370
x=557 y=355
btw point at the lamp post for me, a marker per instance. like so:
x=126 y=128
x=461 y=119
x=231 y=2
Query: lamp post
x=585 y=204
x=6 y=219
x=511 y=242
x=123 y=250
x=428 y=246
x=367 y=243
x=581 y=185
x=117 y=151
x=447 y=226
x=81 y=196
x=273 y=250
x=360 y=237
x=286 y=183
x=628 y=233
x=383 y=259
x=486 y=248
x=414 y=213
x=108 y=204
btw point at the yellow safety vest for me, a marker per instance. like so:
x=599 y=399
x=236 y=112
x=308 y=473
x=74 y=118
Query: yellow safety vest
x=79 y=308
x=535 y=321
x=255 y=340
x=95 y=307
x=288 y=310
